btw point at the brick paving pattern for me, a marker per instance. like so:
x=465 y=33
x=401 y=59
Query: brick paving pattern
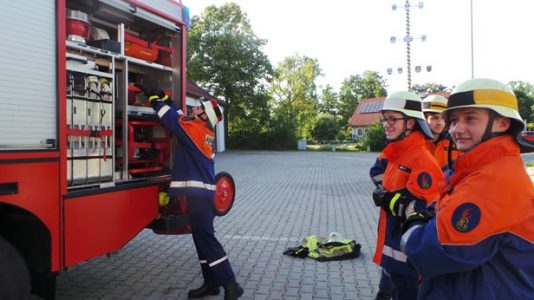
x=281 y=197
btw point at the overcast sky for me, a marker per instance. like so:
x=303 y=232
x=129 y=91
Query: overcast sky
x=349 y=37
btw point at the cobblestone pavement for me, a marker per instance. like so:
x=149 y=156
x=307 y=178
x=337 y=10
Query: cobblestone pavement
x=528 y=158
x=281 y=197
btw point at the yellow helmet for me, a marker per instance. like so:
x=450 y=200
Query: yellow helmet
x=409 y=104
x=434 y=104
x=490 y=94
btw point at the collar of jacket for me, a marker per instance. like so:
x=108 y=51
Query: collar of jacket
x=395 y=150
x=483 y=154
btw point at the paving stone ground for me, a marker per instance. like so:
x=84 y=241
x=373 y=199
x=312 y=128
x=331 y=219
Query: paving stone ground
x=281 y=197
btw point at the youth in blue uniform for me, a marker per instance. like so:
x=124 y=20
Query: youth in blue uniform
x=193 y=175
x=377 y=173
x=480 y=243
x=412 y=177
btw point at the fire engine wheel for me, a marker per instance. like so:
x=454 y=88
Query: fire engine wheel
x=224 y=193
x=14 y=278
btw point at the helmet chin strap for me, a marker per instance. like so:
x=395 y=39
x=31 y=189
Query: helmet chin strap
x=488 y=134
x=450 y=163
x=199 y=116
x=403 y=134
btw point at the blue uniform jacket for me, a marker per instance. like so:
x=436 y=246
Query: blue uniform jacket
x=409 y=166
x=377 y=170
x=480 y=245
x=193 y=172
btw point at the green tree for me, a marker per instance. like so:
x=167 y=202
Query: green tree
x=325 y=128
x=281 y=134
x=248 y=130
x=375 y=137
x=294 y=92
x=368 y=85
x=524 y=92
x=329 y=101
x=428 y=88
x=224 y=56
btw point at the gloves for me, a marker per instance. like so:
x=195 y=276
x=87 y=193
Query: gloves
x=150 y=92
x=417 y=217
x=396 y=203
x=299 y=251
x=154 y=95
x=378 y=196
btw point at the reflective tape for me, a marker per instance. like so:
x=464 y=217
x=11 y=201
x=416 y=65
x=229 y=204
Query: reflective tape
x=395 y=254
x=392 y=204
x=220 y=260
x=483 y=97
x=406 y=236
x=163 y=110
x=192 y=183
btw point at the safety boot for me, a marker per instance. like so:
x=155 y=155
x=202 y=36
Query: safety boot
x=382 y=296
x=232 y=291
x=207 y=289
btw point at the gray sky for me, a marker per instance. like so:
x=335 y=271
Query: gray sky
x=351 y=36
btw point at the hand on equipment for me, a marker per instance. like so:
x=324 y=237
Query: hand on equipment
x=150 y=92
x=153 y=95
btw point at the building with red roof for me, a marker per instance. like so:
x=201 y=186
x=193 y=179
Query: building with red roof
x=366 y=113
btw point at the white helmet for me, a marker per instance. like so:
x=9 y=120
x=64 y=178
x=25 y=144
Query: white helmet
x=335 y=237
x=409 y=104
x=434 y=104
x=490 y=94
x=213 y=111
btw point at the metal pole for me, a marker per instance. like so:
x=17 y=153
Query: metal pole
x=408 y=62
x=472 y=45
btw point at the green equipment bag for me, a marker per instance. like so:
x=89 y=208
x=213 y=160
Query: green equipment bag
x=319 y=248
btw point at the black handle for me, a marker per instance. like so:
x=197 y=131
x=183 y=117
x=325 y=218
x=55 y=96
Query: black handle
x=76 y=59
x=9 y=188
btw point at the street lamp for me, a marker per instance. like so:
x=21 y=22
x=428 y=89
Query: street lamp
x=472 y=45
x=408 y=39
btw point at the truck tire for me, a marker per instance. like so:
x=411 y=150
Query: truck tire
x=224 y=193
x=14 y=277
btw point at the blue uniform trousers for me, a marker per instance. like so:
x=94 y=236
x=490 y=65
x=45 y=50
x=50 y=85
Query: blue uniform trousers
x=214 y=262
x=402 y=287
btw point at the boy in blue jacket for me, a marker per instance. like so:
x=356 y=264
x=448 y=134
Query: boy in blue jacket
x=193 y=175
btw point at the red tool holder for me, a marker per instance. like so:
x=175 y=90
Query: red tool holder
x=139 y=48
x=150 y=164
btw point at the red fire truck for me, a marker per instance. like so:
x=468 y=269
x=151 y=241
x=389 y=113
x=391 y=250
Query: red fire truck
x=84 y=160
